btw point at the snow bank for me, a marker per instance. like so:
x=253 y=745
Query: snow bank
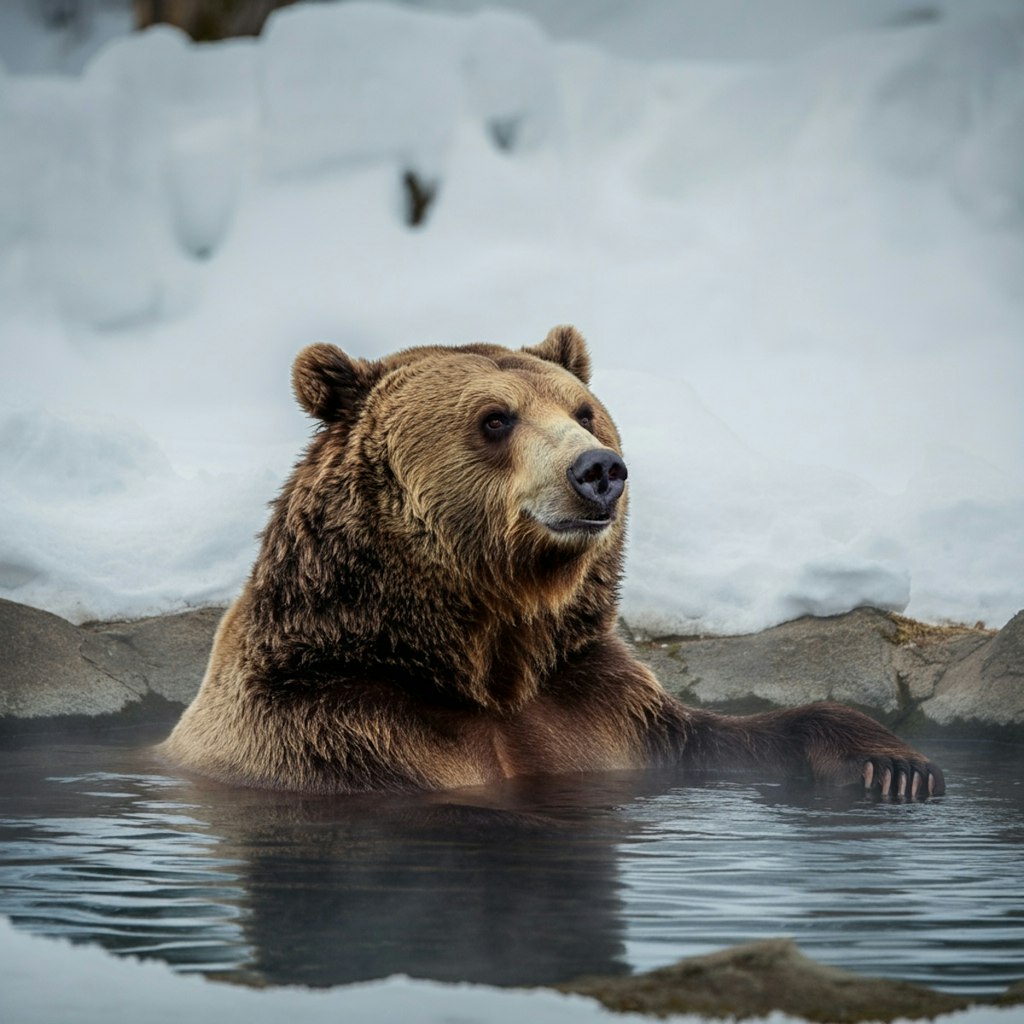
x=800 y=279
x=81 y=497
x=95 y=986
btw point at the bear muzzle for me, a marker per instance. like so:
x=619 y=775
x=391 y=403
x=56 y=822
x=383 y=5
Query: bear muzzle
x=598 y=476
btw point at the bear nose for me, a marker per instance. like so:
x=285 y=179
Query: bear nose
x=599 y=476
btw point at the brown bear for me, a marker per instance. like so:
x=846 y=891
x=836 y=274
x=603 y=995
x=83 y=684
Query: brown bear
x=434 y=602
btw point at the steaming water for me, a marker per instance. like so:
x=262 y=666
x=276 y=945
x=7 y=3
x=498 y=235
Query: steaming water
x=530 y=883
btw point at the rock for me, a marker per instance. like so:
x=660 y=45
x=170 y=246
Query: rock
x=1013 y=996
x=45 y=672
x=55 y=670
x=168 y=653
x=985 y=688
x=848 y=658
x=918 y=679
x=754 y=979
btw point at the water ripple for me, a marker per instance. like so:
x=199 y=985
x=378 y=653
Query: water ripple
x=539 y=882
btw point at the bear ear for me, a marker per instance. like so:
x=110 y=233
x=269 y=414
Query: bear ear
x=565 y=346
x=329 y=384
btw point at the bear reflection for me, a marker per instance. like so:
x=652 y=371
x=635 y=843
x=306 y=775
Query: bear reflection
x=517 y=884
x=522 y=892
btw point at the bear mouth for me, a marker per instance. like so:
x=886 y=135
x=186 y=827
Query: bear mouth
x=590 y=524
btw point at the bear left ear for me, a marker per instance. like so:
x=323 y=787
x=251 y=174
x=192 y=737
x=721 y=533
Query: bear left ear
x=565 y=346
x=331 y=385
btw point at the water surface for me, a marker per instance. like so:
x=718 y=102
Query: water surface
x=529 y=883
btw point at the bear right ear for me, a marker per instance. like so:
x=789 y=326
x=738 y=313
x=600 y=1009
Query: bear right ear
x=565 y=346
x=329 y=384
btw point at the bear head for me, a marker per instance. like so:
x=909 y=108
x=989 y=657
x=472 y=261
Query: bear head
x=458 y=520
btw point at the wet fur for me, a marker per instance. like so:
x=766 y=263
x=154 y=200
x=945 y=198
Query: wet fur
x=408 y=625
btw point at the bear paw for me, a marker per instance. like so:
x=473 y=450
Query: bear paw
x=903 y=778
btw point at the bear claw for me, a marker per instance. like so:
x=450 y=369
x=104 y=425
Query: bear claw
x=902 y=780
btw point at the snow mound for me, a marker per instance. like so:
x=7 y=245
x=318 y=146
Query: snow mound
x=98 y=523
x=799 y=274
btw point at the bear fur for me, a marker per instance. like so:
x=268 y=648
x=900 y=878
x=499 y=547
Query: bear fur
x=434 y=602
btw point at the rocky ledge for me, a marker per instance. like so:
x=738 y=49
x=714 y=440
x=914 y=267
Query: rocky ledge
x=957 y=681
x=919 y=680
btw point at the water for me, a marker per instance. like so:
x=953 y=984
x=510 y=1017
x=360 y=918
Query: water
x=533 y=882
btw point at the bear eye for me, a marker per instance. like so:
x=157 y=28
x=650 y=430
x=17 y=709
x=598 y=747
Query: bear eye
x=585 y=418
x=497 y=425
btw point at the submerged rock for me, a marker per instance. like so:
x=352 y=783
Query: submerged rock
x=756 y=978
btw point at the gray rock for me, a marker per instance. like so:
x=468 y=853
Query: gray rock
x=848 y=658
x=167 y=653
x=53 y=669
x=915 y=678
x=984 y=688
x=45 y=672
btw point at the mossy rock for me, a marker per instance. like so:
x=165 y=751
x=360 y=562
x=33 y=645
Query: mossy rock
x=754 y=979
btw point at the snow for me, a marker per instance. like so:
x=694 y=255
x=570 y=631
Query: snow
x=792 y=233
x=97 y=987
